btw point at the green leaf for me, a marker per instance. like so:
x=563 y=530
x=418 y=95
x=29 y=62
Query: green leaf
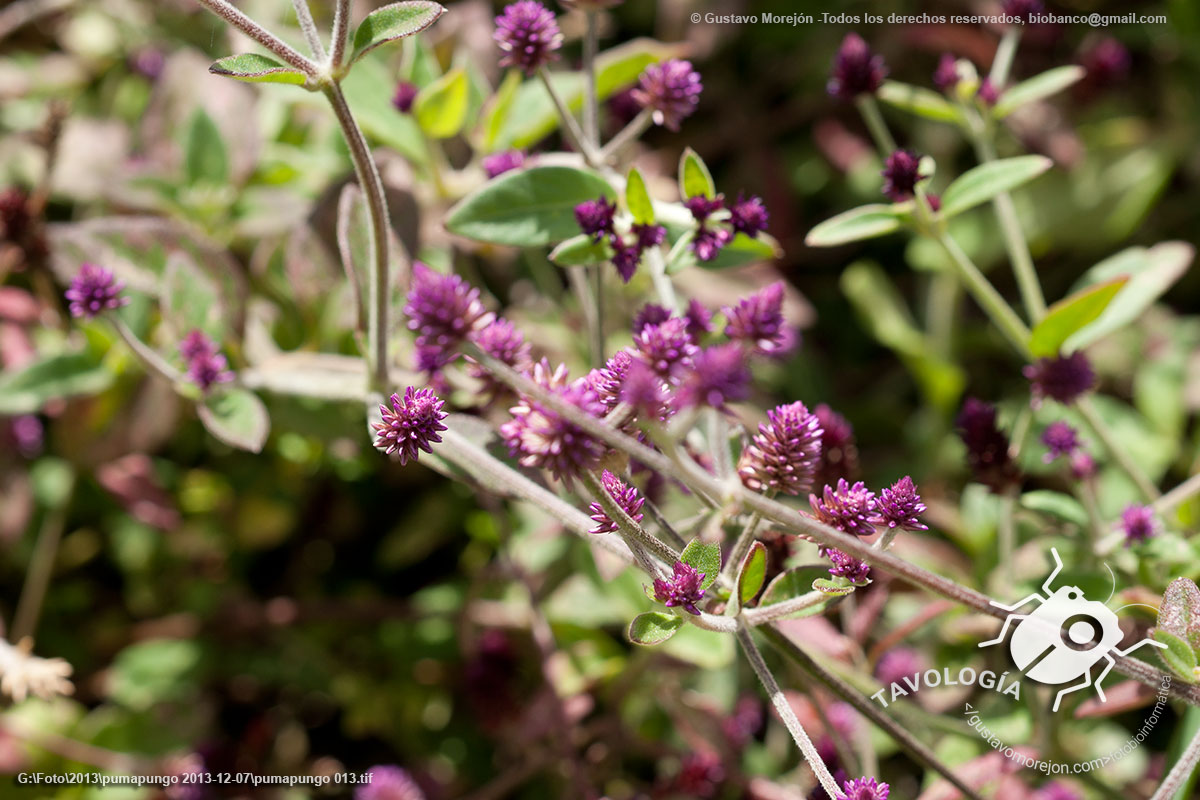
x=694 y=178
x=1179 y=612
x=1070 y=314
x=654 y=627
x=205 y=157
x=1036 y=88
x=835 y=587
x=753 y=573
x=1056 y=504
x=705 y=558
x=26 y=390
x=153 y=672
x=236 y=417
x=393 y=22
x=527 y=208
x=864 y=222
x=1152 y=271
x=982 y=183
x=794 y=583
x=441 y=107
x=637 y=199
x=581 y=251
x=916 y=100
x=496 y=115
x=1178 y=655
x=253 y=68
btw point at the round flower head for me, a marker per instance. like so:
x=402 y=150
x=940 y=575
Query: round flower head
x=856 y=70
x=595 y=217
x=405 y=96
x=866 y=789
x=627 y=498
x=900 y=506
x=699 y=320
x=206 y=367
x=606 y=381
x=717 y=375
x=410 y=424
x=988 y=93
x=839 y=453
x=501 y=340
x=682 y=589
x=1061 y=378
x=901 y=173
x=1106 y=62
x=1138 y=523
x=388 y=782
x=708 y=242
x=442 y=310
x=670 y=90
x=757 y=321
x=93 y=290
x=850 y=508
x=500 y=163
x=528 y=34
x=945 y=77
x=847 y=566
x=644 y=390
x=987 y=446
x=784 y=454
x=748 y=216
x=897 y=664
x=647 y=315
x=666 y=347
x=1060 y=440
x=1083 y=466
x=625 y=259
x=647 y=236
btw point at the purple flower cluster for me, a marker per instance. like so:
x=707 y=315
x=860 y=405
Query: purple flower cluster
x=866 y=789
x=410 y=424
x=93 y=290
x=670 y=91
x=404 y=96
x=850 y=508
x=847 y=566
x=667 y=347
x=500 y=163
x=1138 y=523
x=501 y=340
x=644 y=391
x=388 y=782
x=783 y=455
x=627 y=497
x=206 y=367
x=1060 y=440
x=718 y=375
x=987 y=446
x=899 y=506
x=528 y=34
x=945 y=77
x=856 y=70
x=682 y=590
x=901 y=174
x=1061 y=378
x=757 y=321
x=708 y=239
x=597 y=218
x=839 y=453
x=988 y=92
x=443 y=311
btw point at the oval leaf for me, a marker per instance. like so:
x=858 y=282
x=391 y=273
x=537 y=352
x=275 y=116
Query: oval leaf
x=982 y=183
x=753 y=573
x=835 y=587
x=394 y=22
x=441 y=107
x=527 y=208
x=653 y=627
x=26 y=390
x=1070 y=314
x=916 y=100
x=795 y=583
x=705 y=558
x=1180 y=612
x=637 y=199
x=236 y=417
x=864 y=222
x=253 y=68
x=1177 y=655
x=694 y=178
x=581 y=251
x=1036 y=88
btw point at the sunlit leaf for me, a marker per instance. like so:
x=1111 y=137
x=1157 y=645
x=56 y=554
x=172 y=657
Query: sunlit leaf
x=654 y=627
x=253 y=68
x=864 y=222
x=393 y=22
x=753 y=573
x=982 y=183
x=694 y=177
x=705 y=558
x=1070 y=314
x=236 y=417
x=581 y=251
x=637 y=199
x=1036 y=88
x=441 y=107
x=920 y=101
x=26 y=390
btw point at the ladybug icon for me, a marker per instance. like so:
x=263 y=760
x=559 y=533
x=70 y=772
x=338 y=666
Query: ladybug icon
x=1064 y=637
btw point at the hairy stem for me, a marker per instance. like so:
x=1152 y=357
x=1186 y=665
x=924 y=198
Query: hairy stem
x=570 y=126
x=1130 y=467
x=631 y=531
x=341 y=33
x=591 y=106
x=309 y=28
x=629 y=133
x=765 y=614
x=1180 y=773
x=988 y=298
x=258 y=33
x=41 y=569
x=1014 y=242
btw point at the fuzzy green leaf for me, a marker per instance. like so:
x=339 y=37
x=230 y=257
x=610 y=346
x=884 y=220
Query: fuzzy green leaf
x=441 y=107
x=705 y=558
x=1070 y=314
x=1036 y=88
x=982 y=183
x=864 y=222
x=394 y=22
x=26 y=390
x=581 y=251
x=795 y=583
x=253 y=68
x=917 y=100
x=694 y=178
x=236 y=417
x=654 y=627
x=637 y=199
x=753 y=573
x=833 y=586
x=1177 y=655
x=1179 y=612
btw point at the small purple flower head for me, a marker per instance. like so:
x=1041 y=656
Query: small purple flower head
x=1138 y=523
x=897 y=664
x=1106 y=62
x=606 y=381
x=901 y=174
x=900 y=506
x=537 y=436
x=1056 y=790
x=847 y=566
x=443 y=310
x=1061 y=378
x=945 y=77
x=708 y=242
x=528 y=34
x=699 y=320
x=784 y=454
x=987 y=446
x=866 y=789
x=718 y=375
x=195 y=345
x=839 y=453
x=388 y=782
x=748 y=216
x=28 y=435
x=1083 y=466
x=148 y=62
x=1023 y=9
x=410 y=424
x=206 y=367
x=627 y=497
x=625 y=258
x=646 y=392
x=1060 y=440
x=500 y=163
x=703 y=207
x=988 y=92
x=501 y=340
x=757 y=321
x=595 y=217
x=850 y=508
x=647 y=315
x=93 y=290
x=670 y=90
x=666 y=347
x=405 y=96
x=682 y=590
x=856 y=70
x=648 y=236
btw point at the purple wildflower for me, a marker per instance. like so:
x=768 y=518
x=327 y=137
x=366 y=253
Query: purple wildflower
x=945 y=77
x=648 y=236
x=1083 y=466
x=28 y=434
x=682 y=590
x=988 y=92
x=666 y=347
x=646 y=392
x=700 y=776
x=405 y=96
x=901 y=174
x=987 y=446
x=1106 y=62
x=1060 y=440
x=627 y=498
x=500 y=163
x=442 y=310
x=850 y=508
x=501 y=340
x=784 y=454
x=847 y=566
x=670 y=90
x=410 y=424
x=757 y=321
x=708 y=242
x=388 y=782
x=1023 y=9
x=93 y=290
x=647 y=315
x=206 y=366
x=606 y=381
x=528 y=34
x=897 y=664
x=1138 y=523
x=866 y=789
x=195 y=345
x=748 y=216
x=856 y=70
x=703 y=207
x=595 y=217
x=1061 y=378
x=718 y=375
x=839 y=453
x=699 y=320
x=900 y=506
x=625 y=258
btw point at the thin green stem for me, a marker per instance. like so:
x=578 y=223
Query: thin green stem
x=570 y=126
x=1005 y=52
x=591 y=105
x=1014 y=242
x=41 y=568
x=1130 y=467
x=873 y=117
x=1180 y=773
x=764 y=614
x=988 y=298
x=578 y=278
x=629 y=133
x=657 y=266
x=150 y=359
x=941 y=311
